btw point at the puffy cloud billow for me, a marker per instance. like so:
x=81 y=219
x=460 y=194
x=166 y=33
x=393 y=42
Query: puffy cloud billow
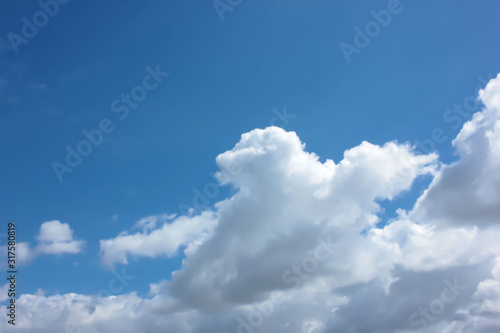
x=303 y=246
x=54 y=238
x=57 y=238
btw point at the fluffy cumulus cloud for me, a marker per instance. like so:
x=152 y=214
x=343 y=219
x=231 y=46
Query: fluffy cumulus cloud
x=57 y=238
x=303 y=245
x=54 y=238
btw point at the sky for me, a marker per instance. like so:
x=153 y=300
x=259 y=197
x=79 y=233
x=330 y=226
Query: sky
x=251 y=166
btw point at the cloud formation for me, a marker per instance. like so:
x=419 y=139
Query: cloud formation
x=467 y=192
x=303 y=246
x=57 y=238
x=182 y=231
x=54 y=238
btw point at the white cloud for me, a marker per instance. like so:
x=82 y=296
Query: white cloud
x=55 y=231
x=298 y=248
x=55 y=238
x=163 y=241
x=158 y=288
x=467 y=192
x=24 y=253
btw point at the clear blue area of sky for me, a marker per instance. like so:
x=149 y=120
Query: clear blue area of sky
x=226 y=77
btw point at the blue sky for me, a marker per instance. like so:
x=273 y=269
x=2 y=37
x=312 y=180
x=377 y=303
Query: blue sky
x=226 y=77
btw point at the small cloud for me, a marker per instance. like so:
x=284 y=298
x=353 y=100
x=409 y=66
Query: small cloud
x=158 y=288
x=57 y=238
x=40 y=292
x=55 y=231
x=114 y=218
